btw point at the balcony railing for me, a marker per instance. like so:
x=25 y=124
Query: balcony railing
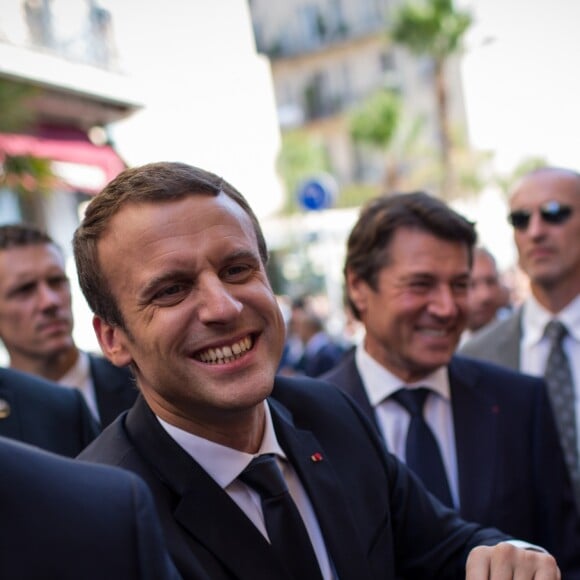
x=83 y=35
x=295 y=41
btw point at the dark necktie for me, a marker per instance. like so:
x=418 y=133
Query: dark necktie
x=423 y=456
x=561 y=389
x=286 y=530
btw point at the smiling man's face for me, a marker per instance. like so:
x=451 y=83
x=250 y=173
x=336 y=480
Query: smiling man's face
x=202 y=327
x=415 y=316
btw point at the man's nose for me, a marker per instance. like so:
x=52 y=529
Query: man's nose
x=217 y=303
x=48 y=297
x=443 y=303
x=537 y=226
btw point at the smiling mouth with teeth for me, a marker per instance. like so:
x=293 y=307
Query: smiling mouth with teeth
x=225 y=354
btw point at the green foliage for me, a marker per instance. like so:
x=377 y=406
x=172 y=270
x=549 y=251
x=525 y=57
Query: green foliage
x=24 y=174
x=300 y=158
x=375 y=122
x=381 y=123
x=430 y=27
x=435 y=29
x=357 y=194
x=27 y=175
x=15 y=115
x=506 y=182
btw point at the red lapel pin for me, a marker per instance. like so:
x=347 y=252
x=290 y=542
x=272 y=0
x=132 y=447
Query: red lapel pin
x=316 y=457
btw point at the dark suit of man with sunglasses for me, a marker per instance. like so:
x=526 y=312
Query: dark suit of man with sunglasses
x=545 y=215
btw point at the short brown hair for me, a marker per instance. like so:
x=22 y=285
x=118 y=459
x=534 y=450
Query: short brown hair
x=155 y=182
x=380 y=218
x=21 y=235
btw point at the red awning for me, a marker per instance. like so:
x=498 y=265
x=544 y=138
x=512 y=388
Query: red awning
x=69 y=146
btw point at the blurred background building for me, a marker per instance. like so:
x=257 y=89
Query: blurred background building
x=88 y=87
x=329 y=57
x=310 y=107
x=60 y=89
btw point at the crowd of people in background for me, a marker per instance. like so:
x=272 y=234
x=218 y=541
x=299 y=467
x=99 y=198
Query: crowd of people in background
x=440 y=439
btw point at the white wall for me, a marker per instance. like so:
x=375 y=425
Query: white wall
x=208 y=95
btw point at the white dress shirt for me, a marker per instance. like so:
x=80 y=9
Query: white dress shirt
x=535 y=348
x=394 y=420
x=79 y=377
x=224 y=465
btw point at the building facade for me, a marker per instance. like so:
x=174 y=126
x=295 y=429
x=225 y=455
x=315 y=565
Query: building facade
x=62 y=54
x=328 y=56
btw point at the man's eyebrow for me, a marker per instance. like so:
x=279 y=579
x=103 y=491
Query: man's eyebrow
x=240 y=254
x=156 y=281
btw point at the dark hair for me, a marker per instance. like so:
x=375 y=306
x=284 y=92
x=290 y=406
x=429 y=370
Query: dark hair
x=369 y=240
x=22 y=235
x=155 y=182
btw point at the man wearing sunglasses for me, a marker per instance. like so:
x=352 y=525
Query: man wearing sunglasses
x=545 y=215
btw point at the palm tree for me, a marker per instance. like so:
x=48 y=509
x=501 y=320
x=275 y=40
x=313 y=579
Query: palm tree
x=380 y=123
x=300 y=157
x=434 y=28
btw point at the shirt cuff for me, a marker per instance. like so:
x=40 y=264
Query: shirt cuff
x=526 y=546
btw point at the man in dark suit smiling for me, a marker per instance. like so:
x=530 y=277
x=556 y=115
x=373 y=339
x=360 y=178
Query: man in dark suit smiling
x=481 y=438
x=255 y=477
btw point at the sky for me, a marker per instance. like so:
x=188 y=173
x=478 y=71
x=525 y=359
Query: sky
x=520 y=74
x=522 y=87
x=522 y=97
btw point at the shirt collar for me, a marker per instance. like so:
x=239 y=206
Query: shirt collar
x=222 y=463
x=381 y=383
x=535 y=317
x=79 y=373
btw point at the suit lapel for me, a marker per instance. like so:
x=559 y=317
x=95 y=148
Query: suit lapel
x=508 y=342
x=320 y=482
x=203 y=508
x=10 y=425
x=475 y=416
x=112 y=389
x=349 y=381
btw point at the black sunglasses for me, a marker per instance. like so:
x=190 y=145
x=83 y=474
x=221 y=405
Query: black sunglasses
x=552 y=212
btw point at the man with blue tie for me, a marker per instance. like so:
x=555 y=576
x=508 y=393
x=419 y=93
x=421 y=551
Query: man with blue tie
x=255 y=476
x=481 y=438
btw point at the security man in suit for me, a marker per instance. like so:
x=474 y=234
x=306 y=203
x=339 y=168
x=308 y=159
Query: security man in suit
x=36 y=324
x=545 y=215
x=43 y=414
x=66 y=520
x=255 y=477
x=482 y=438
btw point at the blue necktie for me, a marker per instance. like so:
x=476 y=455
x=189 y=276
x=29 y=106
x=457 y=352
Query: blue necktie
x=423 y=455
x=286 y=530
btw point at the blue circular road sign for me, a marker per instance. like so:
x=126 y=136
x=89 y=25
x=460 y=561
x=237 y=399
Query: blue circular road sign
x=317 y=193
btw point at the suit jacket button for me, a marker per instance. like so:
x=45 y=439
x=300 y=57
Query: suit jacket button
x=4 y=409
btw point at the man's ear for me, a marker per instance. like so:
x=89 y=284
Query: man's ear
x=113 y=341
x=357 y=290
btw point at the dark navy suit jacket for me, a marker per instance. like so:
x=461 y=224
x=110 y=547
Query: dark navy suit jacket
x=67 y=520
x=115 y=388
x=41 y=413
x=376 y=518
x=325 y=358
x=510 y=464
